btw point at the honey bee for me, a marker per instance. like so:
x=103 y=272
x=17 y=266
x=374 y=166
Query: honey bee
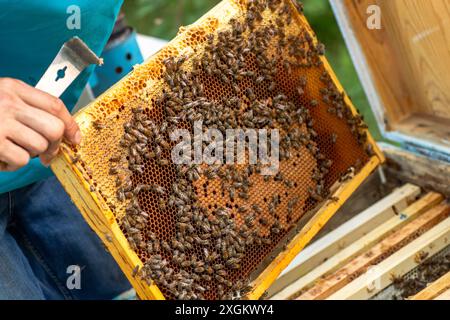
x=314 y=195
x=233 y=263
x=259 y=79
x=369 y=150
x=272 y=207
x=132 y=243
x=249 y=220
x=129 y=195
x=250 y=95
x=334 y=137
x=289 y=183
x=420 y=256
x=115 y=159
x=144 y=214
x=263 y=221
x=199 y=269
x=75 y=158
x=396 y=280
x=320 y=48
x=108 y=237
x=120 y=195
x=314 y=103
x=135 y=271
x=206 y=277
x=163 y=162
x=141 y=187
x=349 y=174
x=159 y=189
x=137 y=168
x=275 y=229
x=334 y=199
x=243 y=195
x=272 y=86
x=278 y=177
x=98 y=125
x=242 y=209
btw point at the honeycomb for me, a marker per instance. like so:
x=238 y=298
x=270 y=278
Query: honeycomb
x=202 y=231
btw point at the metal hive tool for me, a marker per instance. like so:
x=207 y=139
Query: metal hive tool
x=263 y=221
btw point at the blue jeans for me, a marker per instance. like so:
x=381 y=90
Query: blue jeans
x=44 y=242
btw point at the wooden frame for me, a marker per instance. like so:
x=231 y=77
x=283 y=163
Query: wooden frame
x=327 y=246
x=395 y=266
x=435 y=289
x=101 y=219
x=364 y=243
x=429 y=173
x=443 y=296
x=324 y=288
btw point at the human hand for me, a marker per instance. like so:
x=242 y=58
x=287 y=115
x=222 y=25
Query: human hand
x=32 y=123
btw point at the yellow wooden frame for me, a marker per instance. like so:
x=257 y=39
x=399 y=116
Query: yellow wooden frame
x=100 y=218
x=434 y=289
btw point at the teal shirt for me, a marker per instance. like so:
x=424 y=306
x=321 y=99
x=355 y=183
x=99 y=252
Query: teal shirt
x=31 y=34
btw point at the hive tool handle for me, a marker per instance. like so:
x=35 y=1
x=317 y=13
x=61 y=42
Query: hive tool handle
x=73 y=57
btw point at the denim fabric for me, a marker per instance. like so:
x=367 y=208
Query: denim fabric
x=41 y=235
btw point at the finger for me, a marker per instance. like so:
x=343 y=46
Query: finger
x=28 y=139
x=52 y=151
x=46 y=124
x=52 y=105
x=14 y=156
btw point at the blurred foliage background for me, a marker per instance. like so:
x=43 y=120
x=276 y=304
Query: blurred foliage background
x=162 y=18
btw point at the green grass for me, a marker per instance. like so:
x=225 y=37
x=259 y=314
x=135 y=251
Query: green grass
x=162 y=18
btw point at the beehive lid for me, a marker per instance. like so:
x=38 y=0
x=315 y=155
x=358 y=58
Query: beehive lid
x=401 y=50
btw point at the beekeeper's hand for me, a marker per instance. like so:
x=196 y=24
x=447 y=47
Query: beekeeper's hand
x=32 y=123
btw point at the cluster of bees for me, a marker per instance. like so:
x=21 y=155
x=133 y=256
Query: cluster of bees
x=336 y=106
x=429 y=270
x=209 y=245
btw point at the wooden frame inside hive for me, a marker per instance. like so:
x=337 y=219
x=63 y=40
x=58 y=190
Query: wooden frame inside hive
x=405 y=239
x=88 y=183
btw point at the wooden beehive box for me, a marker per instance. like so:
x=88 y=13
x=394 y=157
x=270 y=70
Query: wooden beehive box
x=404 y=67
x=405 y=71
x=86 y=171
